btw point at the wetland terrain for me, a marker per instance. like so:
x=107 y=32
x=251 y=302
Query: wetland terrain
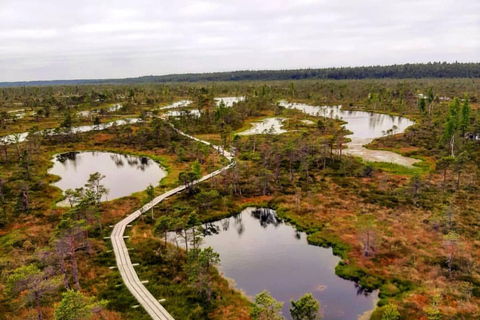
x=365 y=203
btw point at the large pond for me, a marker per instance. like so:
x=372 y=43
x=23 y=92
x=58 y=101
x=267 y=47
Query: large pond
x=365 y=126
x=124 y=174
x=260 y=252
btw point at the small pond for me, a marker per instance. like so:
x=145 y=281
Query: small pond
x=124 y=174
x=269 y=125
x=229 y=101
x=178 y=104
x=258 y=251
x=183 y=113
x=89 y=113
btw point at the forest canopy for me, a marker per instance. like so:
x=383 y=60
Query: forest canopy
x=397 y=71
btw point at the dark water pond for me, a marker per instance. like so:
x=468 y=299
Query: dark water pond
x=125 y=174
x=259 y=252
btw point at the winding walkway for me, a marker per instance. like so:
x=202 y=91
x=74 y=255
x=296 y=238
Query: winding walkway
x=124 y=263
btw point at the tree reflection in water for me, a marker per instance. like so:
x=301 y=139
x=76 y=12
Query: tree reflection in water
x=67 y=156
x=362 y=291
x=210 y=228
x=75 y=167
x=239 y=224
x=138 y=162
x=266 y=216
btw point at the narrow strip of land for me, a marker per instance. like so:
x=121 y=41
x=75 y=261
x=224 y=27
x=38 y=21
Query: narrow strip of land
x=124 y=263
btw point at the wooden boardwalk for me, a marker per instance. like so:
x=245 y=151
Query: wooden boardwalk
x=124 y=263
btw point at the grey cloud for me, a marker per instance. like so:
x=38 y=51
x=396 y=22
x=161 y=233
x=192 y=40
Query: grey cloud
x=102 y=39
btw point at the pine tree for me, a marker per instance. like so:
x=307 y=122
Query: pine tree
x=306 y=308
x=76 y=306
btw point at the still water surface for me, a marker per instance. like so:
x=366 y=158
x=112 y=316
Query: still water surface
x=124 y=174
x=365 y=126
x=260 y=252
x=268 y=125
x=228 y=101
x=21 y=137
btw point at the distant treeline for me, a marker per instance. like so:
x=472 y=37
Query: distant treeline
x=401 y=71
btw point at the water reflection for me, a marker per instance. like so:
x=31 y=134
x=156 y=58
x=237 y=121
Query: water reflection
x=365 y=126
x=259 y=252
x=361 y=123
x=228 y=101
x=210 y=228
x=266 y=216
x=184 y=113
x=178 y=104
x=125 y=174
x=21 y=137
x=266 y=126
x=66 y=156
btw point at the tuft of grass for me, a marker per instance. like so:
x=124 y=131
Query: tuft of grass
x=417 y=169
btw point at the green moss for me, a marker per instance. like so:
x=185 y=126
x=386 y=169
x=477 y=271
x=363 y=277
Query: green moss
x=14 y=238
x=417 y=169
x=339 y=248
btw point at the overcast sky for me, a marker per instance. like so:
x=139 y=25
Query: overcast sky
x=65 y=39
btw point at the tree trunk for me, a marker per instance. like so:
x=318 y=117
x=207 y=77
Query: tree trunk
x=444 y=179
x=73 y=260
x=450 y=262
x=415 y=197
x=88 y=246
x=64 y=272
x=254 y=145
x=37 y=303
x=277 y=167
x=166 y=235
x=2 y=197
x=452 y=144
x=18 y=152
x=24 y=197
x=366 y=250
x=186 y=241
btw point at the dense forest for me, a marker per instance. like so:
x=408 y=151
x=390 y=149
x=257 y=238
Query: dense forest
x=402 y=71
x=409 y=232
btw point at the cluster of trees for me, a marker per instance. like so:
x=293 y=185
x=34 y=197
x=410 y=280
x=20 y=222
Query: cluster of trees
x=199 y=264
x=44 y=277
x=267 y=308
x=294 y=166
x=49 y=103
x=440 y=135
x=402 y=71
x=20 y=178
x=306 y=308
